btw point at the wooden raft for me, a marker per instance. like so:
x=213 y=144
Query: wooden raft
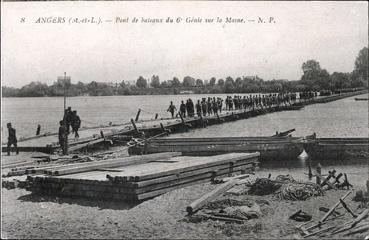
x=144 y=180
x=270 y=148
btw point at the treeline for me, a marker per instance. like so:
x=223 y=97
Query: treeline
x=314 y=78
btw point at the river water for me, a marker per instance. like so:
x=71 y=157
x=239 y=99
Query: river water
x=342 y=118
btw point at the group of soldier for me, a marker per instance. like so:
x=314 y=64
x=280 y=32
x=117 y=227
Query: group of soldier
x=308 y=95
x=211 y=106
x=206 y=107
x=70 y=120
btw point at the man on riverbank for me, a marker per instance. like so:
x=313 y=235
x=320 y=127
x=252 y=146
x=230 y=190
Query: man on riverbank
x=61 y=135
x=198 y=108
x=182 y=109
x=12 y=138
x=172 y=108
x=68 y=118
x=76 y=124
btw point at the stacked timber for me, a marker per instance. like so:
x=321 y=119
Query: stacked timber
x=270 y=148
x=337 y=148
x=140 y=179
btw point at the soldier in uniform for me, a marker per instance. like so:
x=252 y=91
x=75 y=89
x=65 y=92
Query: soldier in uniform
x=182 y=109
x=76 y=124
x=68 y=118
x=171 y=109
x=198 y=108
x=12 y=138
x=204 y=107
x=61 y=135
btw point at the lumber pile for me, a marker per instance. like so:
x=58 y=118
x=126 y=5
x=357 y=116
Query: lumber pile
x=116 y=162
x=138 y=178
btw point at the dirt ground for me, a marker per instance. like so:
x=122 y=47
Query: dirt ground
x=25 y=215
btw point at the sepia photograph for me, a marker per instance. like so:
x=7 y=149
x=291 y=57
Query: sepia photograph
x=184 y=120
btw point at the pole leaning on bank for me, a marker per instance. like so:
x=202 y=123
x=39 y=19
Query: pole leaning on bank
x=64 y=80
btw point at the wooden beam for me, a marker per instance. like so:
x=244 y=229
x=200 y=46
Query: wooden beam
x=182 y=180
x=333 y=208
x=196 y=205
x=352 y=224
x=185 y=174
x=118 y=163
x=325 y=180
x=161 y=191
x=138 y=115
x=135 y=127
x=225 y=158
x=318 y=171
x=79 y=146
x=347 y=208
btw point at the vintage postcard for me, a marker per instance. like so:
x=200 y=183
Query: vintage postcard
x=184 y=120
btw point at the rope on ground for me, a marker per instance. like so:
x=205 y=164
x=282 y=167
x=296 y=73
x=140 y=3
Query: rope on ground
x=299 y=191
x=288 y=188
x=264 y=186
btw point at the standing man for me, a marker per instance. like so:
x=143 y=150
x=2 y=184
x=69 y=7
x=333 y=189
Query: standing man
x=182 y=109
x=76 y=124
x=61 y=135
x=198 y=108
x=12 y=138
x=172 y=108
x=68 y=118
x=204 y=107
x=38 y=130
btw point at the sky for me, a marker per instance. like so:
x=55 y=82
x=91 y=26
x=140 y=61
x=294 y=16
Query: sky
x=332 y=33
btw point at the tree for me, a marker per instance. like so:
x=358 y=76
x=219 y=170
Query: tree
x=155 y=81
x=360 y=73
x=122 y=84
x=221 y=82
x=34 y=89
x=229 y=85
x=79 y=89
x=141 y=82
x=199 y=82
x=176 y=82
x=323 y=81
x=92 y=88
x=314 y=77
x=212 y=81
x=164 y=84
x=340 y=80
x=230 y=80
x=188 y=81
x=238 y=83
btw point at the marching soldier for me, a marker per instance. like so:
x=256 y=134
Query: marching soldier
x=12 y=138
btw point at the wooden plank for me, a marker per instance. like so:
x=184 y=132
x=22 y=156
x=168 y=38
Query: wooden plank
x=182 y=165
x=128 y=161
x=190 y=178
x=161 y=191
x=196 y=205
x=112 y=160
x=333 y=208
x=225 y=158
x=198 y=164
x=353 y=223
x=223 y=139
x=90 y=143
x=183 y=175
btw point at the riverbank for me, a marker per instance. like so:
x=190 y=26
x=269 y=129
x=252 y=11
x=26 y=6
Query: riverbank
x=161 y=217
